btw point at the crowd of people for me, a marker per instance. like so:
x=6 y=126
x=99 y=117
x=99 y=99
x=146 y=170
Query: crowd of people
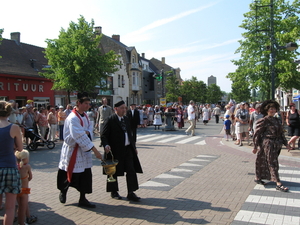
x=76 y=127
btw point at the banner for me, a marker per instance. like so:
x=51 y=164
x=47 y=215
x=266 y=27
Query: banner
x=163 y=102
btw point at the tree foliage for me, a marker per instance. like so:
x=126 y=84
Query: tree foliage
x=192 y=89
x=214 y=94
x=253 y=68
x=172 y=87
x=76 y=63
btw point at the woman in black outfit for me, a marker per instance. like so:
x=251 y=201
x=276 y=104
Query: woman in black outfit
x=293 y=122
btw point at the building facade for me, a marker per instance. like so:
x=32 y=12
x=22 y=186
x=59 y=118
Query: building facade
x=19 y=73
x=211 y=80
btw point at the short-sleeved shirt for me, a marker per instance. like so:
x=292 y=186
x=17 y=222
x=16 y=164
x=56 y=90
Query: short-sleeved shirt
x=242 y=114
x=254 y=117
x=227 y=124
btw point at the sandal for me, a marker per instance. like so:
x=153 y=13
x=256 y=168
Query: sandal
x=260 y=182
x=31 y=219
x=236 y=143
x=281 y=188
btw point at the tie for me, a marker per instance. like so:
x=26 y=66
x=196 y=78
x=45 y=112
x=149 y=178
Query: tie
x=123 y=125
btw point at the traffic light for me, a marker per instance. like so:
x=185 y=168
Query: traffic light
x=158 y=77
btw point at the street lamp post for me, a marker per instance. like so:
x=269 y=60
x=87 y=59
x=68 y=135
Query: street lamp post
x=274 y=47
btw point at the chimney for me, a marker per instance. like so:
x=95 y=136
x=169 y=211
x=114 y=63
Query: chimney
x=16 y=37
x=143 y=55
x=98 y=30
x=116 y=37
x=163 y=60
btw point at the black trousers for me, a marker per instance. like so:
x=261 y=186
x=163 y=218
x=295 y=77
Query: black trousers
x=131 y=177
x=133 y=131
x=217 y=118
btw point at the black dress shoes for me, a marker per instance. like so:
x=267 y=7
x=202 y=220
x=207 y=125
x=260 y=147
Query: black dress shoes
x=86 y=203
x=132 y=197
x=62 y=197
x=115 y=195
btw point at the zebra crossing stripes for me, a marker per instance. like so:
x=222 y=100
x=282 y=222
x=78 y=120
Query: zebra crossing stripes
x=186 y=140
x=266 y=205
x=153 y=138
x=167 y=138
x=166 y=181
x=171 y=138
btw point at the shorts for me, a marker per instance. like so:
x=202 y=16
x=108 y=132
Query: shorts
x=293 y=131
x=228 y=132
x=24 y=191
x=241 y=129
x=10 y=181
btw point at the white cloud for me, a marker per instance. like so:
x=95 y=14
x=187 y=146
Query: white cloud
x=135 y=35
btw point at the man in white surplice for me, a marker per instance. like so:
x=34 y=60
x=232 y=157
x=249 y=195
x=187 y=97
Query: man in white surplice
x=77 y=145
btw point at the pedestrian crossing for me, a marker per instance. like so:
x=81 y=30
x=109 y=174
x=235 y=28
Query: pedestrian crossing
x=171 y=138
x=266 y=205
x=166 y=181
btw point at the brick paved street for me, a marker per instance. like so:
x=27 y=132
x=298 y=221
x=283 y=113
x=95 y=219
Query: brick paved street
x=205 y=181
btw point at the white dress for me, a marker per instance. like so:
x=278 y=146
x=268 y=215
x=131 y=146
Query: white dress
x=157 y=118
x=205 y=112
x=75 y=133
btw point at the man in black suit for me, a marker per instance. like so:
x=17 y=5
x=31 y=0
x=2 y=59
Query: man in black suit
x=117 y=138
x=134 y=118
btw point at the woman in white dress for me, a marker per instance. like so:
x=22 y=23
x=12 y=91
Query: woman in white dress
x=205 y=115
x=157 y=117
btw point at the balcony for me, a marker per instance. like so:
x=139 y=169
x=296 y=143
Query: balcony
x=135 y=87
x=134 y=66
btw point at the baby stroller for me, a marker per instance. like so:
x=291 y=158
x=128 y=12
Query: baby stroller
x=37 y=140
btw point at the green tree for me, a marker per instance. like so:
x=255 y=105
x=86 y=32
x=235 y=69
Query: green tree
x=76 y=63
x=193 y=90
x=172 y=87
x=254 y=65
x=214 y=94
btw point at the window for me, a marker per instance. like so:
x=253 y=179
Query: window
x=119 y=81
x=133 y=59
x=133 y=79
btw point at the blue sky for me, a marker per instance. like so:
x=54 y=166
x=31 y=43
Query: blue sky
x=198 y=36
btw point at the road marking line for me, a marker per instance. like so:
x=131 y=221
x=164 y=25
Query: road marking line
x=201 y=143
x=189 y=164
x=172 y=138
x=144 y=136
x=180 y=170
x=205 y=156
x=153 y=138
x=187 y=140
x=164 y=175
x=153 y=184
x=199 y=160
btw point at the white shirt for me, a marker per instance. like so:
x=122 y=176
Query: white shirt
x=191 y=112
x=75 y=133
x=127 y=142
